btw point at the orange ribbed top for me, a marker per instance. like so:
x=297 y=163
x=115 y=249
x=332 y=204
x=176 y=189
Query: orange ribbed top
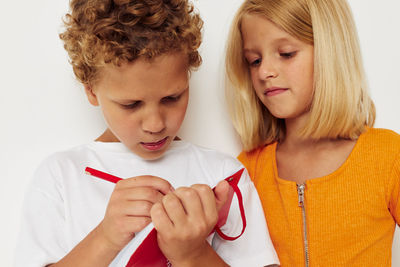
x=351 y=213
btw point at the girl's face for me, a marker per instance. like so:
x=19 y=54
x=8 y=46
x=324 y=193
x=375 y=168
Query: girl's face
x=280 y=65
x=144 y=102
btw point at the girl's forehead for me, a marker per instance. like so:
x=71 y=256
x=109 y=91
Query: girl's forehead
x=258 y=29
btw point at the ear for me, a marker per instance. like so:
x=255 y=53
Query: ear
x=92 y=97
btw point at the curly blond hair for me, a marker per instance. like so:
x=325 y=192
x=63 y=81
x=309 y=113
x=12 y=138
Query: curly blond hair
x=101 y=32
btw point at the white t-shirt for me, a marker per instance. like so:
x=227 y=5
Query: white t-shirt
x=63 y=204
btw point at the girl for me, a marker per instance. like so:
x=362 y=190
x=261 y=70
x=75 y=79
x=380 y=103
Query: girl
x=328 y=181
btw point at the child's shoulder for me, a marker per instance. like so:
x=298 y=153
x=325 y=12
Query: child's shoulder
x=383 y=133
x=252 y=155
x=69 y=155
x=51 y=172
x=383 y=138
x=380 y=143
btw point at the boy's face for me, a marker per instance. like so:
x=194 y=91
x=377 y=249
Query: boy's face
x=143 y=102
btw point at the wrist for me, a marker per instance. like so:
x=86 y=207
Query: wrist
x=104 y=244
x=203 y=256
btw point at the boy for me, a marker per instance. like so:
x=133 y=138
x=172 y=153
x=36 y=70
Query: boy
x=134 y=58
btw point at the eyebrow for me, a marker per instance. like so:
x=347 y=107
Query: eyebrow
x=125 y=101
x=279 y=40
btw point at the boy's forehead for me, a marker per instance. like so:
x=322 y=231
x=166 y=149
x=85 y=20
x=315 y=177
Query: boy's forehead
x=166 y=63
x=167 y=73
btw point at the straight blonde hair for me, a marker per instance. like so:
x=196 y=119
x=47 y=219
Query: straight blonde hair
x=341 y=106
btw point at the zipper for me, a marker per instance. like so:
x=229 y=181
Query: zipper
x=300 y=191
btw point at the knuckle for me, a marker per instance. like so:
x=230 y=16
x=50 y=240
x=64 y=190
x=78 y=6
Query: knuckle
x=150 y=193
x=187 y=192
x=202 y=188
x=120 y=184
x=156 y=210
x=171 y=201
x=200 y=228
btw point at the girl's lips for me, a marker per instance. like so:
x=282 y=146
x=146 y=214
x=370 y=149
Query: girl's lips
x=156 y=145
x=274 y=91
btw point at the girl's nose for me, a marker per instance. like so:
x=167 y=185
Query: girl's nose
x=153 y=122
x=267 y=70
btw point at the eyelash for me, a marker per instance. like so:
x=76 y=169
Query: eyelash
x=166 y=100
x=255 y=62
x=131 y=106
x=171 y=99
x=288 y=55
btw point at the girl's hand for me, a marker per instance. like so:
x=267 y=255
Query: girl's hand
x=184 y=218
x=128 y=210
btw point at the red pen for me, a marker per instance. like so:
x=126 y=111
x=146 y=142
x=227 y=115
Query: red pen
x=102 y=175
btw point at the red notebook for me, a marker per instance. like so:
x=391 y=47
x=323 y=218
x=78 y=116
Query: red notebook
x=148 y=254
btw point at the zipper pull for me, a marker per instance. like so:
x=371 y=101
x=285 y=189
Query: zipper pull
x=300 y=191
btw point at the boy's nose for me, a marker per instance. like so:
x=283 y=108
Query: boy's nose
x=153 y=122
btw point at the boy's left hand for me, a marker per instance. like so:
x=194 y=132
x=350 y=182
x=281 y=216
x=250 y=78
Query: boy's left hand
x=185 y=218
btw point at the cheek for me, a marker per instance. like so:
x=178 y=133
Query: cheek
x=119 y=121
x=176 y=115
x=257 y=84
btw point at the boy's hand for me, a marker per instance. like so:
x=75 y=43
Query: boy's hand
x=185 y=218
x=128 y=210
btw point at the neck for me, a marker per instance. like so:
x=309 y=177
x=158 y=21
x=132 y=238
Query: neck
x=293 y=129
x=107 y=136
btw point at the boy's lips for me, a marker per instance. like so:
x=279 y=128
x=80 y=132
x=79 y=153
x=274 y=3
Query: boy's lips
x=271 y=91
x=154 y=145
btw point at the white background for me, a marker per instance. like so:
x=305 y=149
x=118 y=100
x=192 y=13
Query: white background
x=43 y=109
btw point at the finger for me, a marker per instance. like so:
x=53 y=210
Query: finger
x=191 y=201
x=221 y=193
x=174 y=209
x=157 y=183
x=136 y=224
x=138 y=208
x=126 y=225
x=160 y=219
x=207 y=199
x=141 y=193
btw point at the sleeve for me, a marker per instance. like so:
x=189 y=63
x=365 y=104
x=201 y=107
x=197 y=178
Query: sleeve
x=394 y=189
x=254 y=247
x=41 y=240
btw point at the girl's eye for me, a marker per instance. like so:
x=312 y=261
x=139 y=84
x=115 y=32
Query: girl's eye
x=288 y=55
x=255 y=63
x=170 y=99
x=133 y=105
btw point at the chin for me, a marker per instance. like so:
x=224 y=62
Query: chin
x=150 y=155
x=280 y=115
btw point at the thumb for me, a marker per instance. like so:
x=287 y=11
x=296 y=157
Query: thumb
x=221 y=194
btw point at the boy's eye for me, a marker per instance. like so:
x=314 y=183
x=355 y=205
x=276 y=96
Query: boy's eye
x=170 y=99
x=288 y=55
x=133 y=105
